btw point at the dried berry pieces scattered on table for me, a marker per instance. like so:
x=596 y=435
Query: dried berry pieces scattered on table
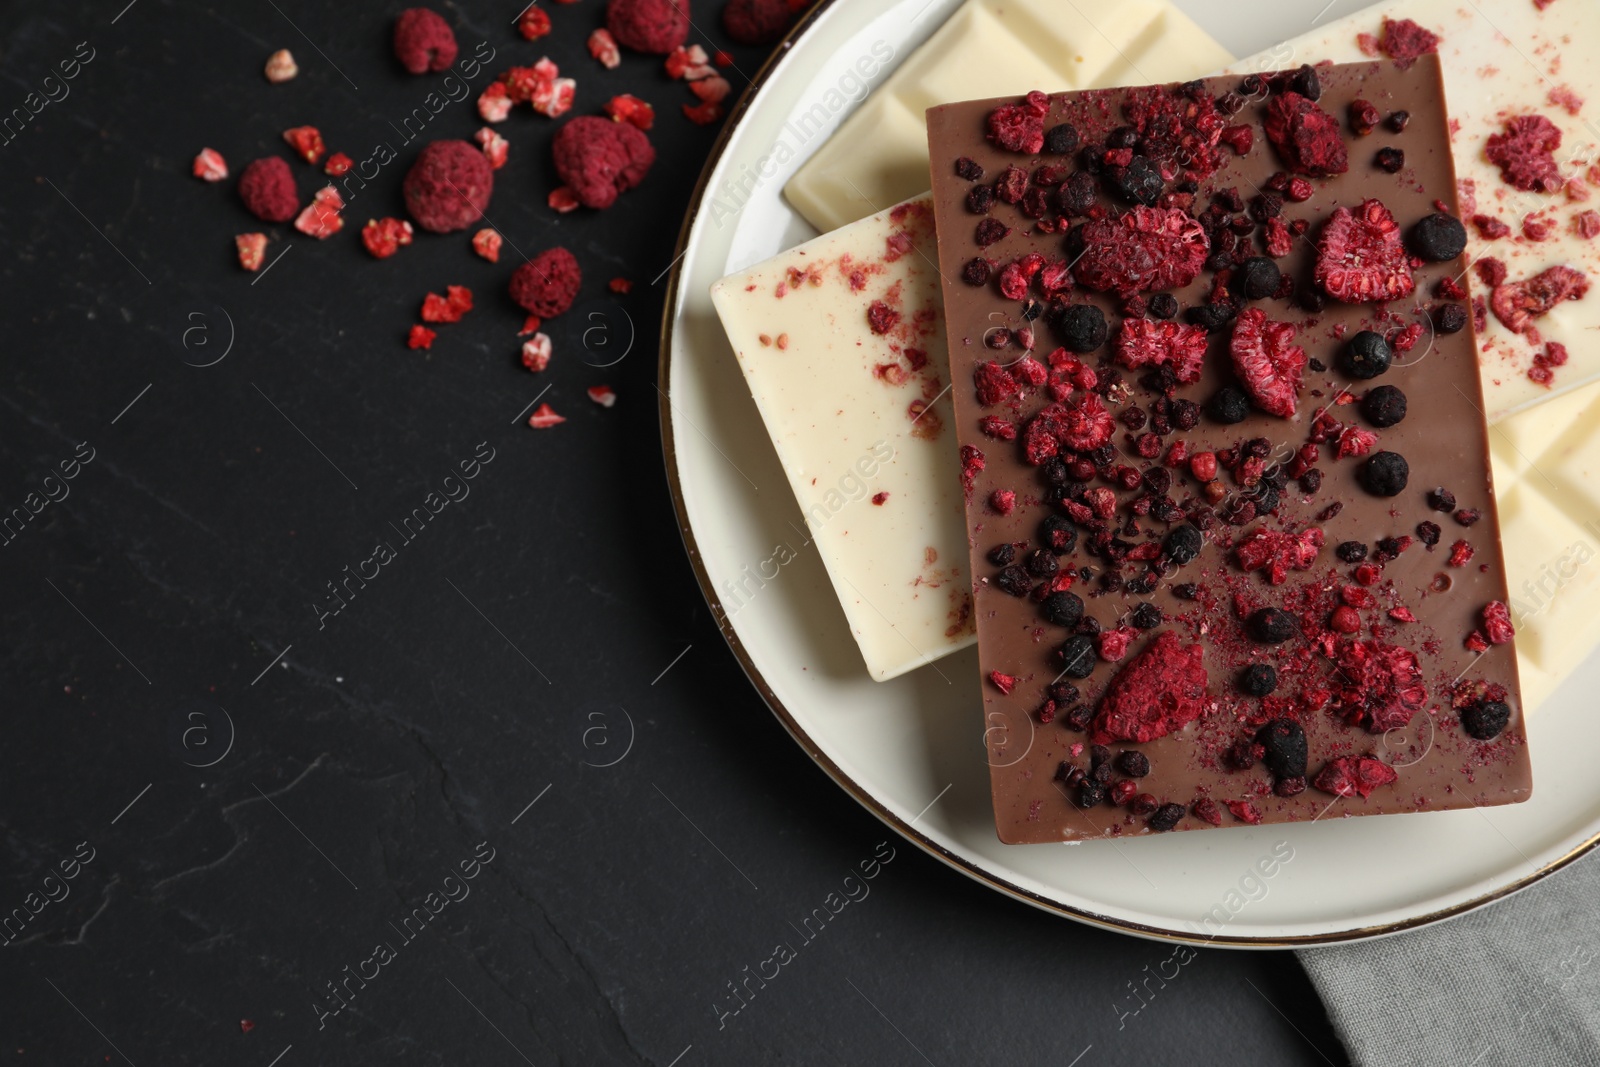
x=424 y=43
x=598 y=159
x=267 y=188
x=654 y=27
x=548 y=283
x=448 y=187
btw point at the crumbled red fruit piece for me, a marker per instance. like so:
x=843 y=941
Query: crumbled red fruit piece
x=655 y=27
x=1143 y=250
x=338 y=165
x=1307 y=138
x=495 y=148
x=1364 y=117
x=688 y=63
x=245 y=1026
x=530 y=325
x=1278 y=240
x=1003 y=501
x=321 y=219
x=993 y=383
x=1525 y=153
x=880 y=499
x=1354 y=776
x=713 y=89
x=494 y=103
x=1113 y=644
x=383 y=237
x=267 y=188
x=756 y=21
x=533 y=23
x=1082 y=424
x=562 y=201
x=881 y=318
x=1461 y=554
x=1244 y=811
x=1267 y=361
x=1404 y=41
x=544 y=416
x=623 y=286
x=1240 y=138
x=1152 y=343
x=486 y=242
x=1517 y=304
x=1497 y=622
x=448 y=187
x=998 y=428
x=1377 y=686
x=420 y=337
x=1206 y=810
x=1402 y=614
x=1203 y=465
x=1279 y=552
x=536 y=352
x=1178 y=132
x=599 y=160
x=548 y=283
x=437 y=309
x=1003 y=682
x=1489 y=227
x=1019 y=127
x=423 y=41
x=209 y=166
x=1361 y=257
x=281 y=67
x=252 y=248
x=630 y=109
x=603 y=47
x=703 y=114
x=306 y=141
x=972 y=464
x=1162 y=690
x=1354 y=441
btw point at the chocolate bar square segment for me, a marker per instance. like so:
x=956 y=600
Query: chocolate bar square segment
x=1233 y=533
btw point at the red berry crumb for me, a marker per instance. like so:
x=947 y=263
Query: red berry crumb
x=1003 y=682
x=536 y=352
x=1517 y=304
x=209 y=166
x=630 y=109
x=1306 y=137
x=1497 y=622
x=1244 y=811
x=1354 y=776
x=1019 y=127
x=1404 y=41
x=544 y=417
x=880 y=499
x=383 y=237
x=1150 y=343
x=1278 y=552
x=420 y=337
x=252 y=248
x=486 y=242
x=1003 y=501
x=1161 y=690
x=306 y=141
x=533 y=23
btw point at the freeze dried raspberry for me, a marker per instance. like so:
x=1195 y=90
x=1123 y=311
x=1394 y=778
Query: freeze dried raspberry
x=1497 y=623
x=603 y=47
x=1279 y=241
x=655 y=27
x=1082 y=424
x=998 y=428
x=1003 y=501
x=1404 y=41
x=209 y=166
x=1003 y=682
x=993 y=383
x=688 y=63
x=252 y=247
x=420 y=337
x=448 y=308
x=338 y=165
x=1162 y=690
x=486 y=242
x=703 y=114
x=1354 y=441
x=1344 y=620
x=1525 y=153
x=1353 y=776
x=544 y=417
x=1113 y=644
x=321 y=218
x=1267 y=361
x=448 y=187
x=562 y=201
x=383 y=237
x=714 y=89
x=598 y=159
x=533 y=23
x=1148 y=343
x=756 y=21
x=494 y=104
x=1377 y=686
x=630 y=109
x=494 y=147
x=1361 y=257
x=1307 y=138
x=972 y=464
x=423 y=41
x=1517 y=304
x=548 y=283
x=624 y=286
x=1239 y=138
x=306 y=142
x=1279 y=552
x=1146 y=249
x=281 y=66
x=267 y=188
x=1244 y=811
x=553 y=98
x=1205 y=809
x=1019 y=127
x=536 y=352
x=606 y=397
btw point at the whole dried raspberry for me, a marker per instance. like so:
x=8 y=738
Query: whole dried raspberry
x=599 y=159
x=1525 y=153
x=1361 y=257
x=1162 y=690
x=655 y=27
x=1019 y=127
x=1517 y=304
x=756 y=21
x=1082 y=424
x=384 y=237
x=1147 y=343
x=548 y=283
x=1267 y=361
x=448 y=187
x=1146 y=249
x=423 y=41
x=1306 y=137
x=1353 y=776
x=267 y=188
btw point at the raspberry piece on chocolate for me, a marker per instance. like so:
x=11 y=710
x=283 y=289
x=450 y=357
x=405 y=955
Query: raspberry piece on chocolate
x=1244 y=811
x=1354 y=776
x=1278 y=552
x=1162 y=690
x=384 y=237
x=1307 y=137
x=1378 y=686
x=1206 y=810
x=548 y=283
x=423 y=41
x=1147 y=343
x=599 y=159
x=1082 y=424
x=1019 y=127
x=1497 y=623
x=655 y=27
x=448 y=187
x=1360 y=256
x=1147 y=249
x=1267 y=361
x=1517 y=304
x=756 y=21
x=1525 y=153
x=267 y=188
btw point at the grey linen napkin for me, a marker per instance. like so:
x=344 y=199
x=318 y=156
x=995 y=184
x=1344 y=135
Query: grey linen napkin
x=1517 y=982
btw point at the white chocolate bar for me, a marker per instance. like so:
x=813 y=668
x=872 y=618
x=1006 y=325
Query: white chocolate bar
x=879 y=156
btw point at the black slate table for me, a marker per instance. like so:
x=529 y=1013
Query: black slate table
x=270 y=809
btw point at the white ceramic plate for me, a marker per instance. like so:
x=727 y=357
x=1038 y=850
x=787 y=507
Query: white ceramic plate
x=911 y=751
